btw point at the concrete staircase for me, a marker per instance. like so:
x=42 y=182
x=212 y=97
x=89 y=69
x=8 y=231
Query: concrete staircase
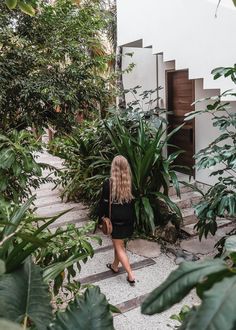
x=186 y=203
x=151 y=266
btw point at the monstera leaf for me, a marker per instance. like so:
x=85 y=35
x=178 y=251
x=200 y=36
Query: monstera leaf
x=92 y=311
x=24 y=297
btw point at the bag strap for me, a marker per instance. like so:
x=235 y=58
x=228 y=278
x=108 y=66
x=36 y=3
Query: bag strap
x=110 y=192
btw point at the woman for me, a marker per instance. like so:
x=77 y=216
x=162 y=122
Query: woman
x=122 y=212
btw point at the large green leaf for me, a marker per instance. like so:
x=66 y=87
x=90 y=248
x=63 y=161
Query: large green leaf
x=2 y=267
x=11 y=4
x=90 y=312
x=24 y=296
x=217 y=310
x=230 y=244
x=26 y=8
x=179 y=283
x=8 y=325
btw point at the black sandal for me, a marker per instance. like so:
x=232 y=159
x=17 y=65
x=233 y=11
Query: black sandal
x=132 y=283
x=110 y=267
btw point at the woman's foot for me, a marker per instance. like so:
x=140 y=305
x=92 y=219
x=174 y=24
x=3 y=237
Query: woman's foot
x=112 y=268
x=131 y=281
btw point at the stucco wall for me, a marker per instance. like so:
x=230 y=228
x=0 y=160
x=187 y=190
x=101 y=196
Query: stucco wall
x=143 y=74
x=205 y=133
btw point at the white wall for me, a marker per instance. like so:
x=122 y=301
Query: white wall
x=143 y=74
x=205 y=133
x=185 y=31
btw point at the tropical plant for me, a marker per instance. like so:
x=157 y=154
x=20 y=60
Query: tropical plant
x=21 y=233
x=25 y=6
x=61 y=258
x=215 y=284
x=19 y=290
x=88 y=143
x=90 y=311
x=220 y=154
x=58 y=61
x=151 y=171
x=20 y=172
x=25 y=299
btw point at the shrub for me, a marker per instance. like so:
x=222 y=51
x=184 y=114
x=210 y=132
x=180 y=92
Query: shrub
x=215 y=284
x=220 y=199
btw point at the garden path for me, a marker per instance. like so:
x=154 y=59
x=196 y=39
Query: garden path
x=150 y=264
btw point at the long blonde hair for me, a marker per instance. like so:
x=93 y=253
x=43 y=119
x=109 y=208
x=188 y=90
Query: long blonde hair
x=121 y=180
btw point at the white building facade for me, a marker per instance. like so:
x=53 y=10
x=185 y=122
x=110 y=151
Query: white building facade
x=176 y=44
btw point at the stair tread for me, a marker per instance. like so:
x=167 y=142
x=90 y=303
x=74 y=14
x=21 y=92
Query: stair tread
x=185 y=196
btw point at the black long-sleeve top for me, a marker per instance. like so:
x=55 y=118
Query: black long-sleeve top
x=120 y=213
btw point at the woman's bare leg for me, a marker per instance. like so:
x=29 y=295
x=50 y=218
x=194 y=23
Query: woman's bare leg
x=116 y=261
x=122 y=257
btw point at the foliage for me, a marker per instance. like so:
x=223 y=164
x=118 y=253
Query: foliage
x=21 y=234
x=151 y=172
x=18 y=292
x=25 y=6
x=182 y=314
x=25 y=299
x=220 y=154
x=62 y=256
x=8 y=325
x=87 y=143
x=141 y=140
x=19 y=170
x=215 y=284
x=58 y=63
x=90 y=311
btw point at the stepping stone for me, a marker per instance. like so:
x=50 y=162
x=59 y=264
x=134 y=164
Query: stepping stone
x=195 y=246
x=144 y=248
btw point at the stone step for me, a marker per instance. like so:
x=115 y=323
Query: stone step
x=51 y=210
x=183 y=189
x=187 y=199
x=75 y=217
x=44 y=201
x=189 y=229
x=189 y=217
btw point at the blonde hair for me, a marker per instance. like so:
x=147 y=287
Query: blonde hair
x=121 y=180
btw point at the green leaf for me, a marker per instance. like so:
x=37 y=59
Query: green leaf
x=234 y=2
x=2 y=267
x=92 y=311
x=217 y=310
x=8 y=325
x=11 y=4
x=26 y=8
x=179 y=283
x=230 y=244
x=25 y=296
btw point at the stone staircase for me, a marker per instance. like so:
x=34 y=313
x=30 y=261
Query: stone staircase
x=150 y=265
x=186 y=203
